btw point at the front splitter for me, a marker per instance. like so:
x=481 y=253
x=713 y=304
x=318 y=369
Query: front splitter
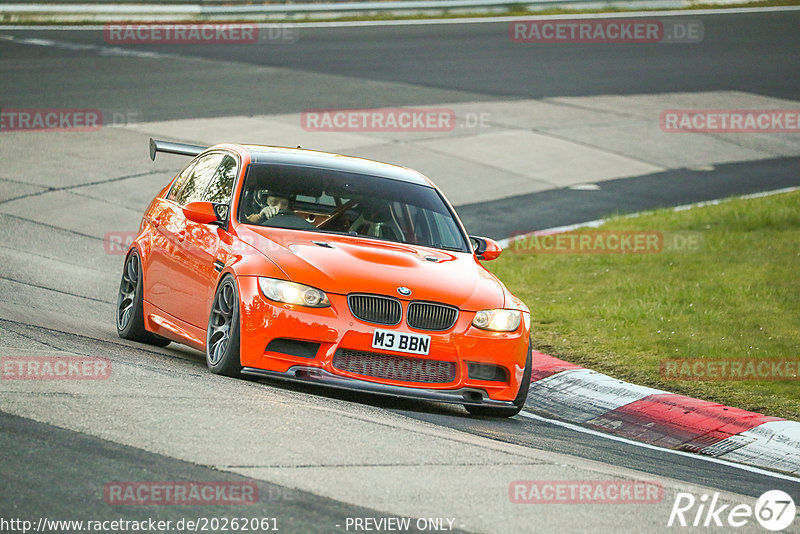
x=315 y=375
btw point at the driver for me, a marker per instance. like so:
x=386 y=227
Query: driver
x=275 y=204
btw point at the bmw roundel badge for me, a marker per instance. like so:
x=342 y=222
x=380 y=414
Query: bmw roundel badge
x=404 y=291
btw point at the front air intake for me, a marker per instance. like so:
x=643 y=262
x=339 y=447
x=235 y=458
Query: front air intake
x=376 y=309
x=391 y=367
x=431 y=316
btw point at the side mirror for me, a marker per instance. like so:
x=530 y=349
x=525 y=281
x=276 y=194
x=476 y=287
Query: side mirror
x=485 y=248
x=205 y=212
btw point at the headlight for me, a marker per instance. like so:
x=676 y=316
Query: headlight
x=497 y=320
x=291 y=293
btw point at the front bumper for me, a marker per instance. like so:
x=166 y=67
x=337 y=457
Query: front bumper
x=328 y=331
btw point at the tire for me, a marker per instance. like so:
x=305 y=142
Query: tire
x=519 y=400
x=223 y=333
x=130 y=310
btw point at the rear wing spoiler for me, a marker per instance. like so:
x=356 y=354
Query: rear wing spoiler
x=173 y=148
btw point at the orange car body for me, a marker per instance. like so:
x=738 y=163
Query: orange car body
x=183 y=260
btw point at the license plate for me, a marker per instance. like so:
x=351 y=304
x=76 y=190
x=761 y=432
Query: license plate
x=401 y=341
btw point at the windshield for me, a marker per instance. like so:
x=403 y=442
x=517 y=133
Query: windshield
x=325 y=200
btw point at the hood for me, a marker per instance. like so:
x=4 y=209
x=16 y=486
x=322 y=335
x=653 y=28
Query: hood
x=344 y=264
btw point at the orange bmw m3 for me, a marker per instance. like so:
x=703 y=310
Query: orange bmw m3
x=308 y=266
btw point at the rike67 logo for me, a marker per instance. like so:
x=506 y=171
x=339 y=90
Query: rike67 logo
x=774 y=510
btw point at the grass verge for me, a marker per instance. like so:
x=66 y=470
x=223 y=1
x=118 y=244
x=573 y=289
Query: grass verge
x=735 y=296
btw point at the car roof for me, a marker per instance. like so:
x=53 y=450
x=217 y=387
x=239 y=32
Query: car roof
x=262 y=154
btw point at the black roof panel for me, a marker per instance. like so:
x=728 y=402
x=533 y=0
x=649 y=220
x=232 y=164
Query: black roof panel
x=325 y=160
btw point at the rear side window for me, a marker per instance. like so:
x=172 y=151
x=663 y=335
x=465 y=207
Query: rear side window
x=198 y=179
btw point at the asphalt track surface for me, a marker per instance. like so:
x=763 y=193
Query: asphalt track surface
x=52 y=470
x=755 y=53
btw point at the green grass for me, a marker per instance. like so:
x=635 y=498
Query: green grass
x=737 y=297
